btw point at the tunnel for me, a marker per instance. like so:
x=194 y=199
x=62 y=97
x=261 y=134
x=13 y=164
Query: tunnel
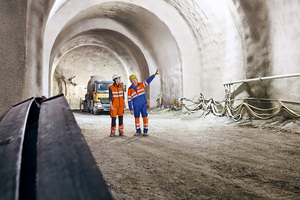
x=197 y=47
x=234 y=59
x=119 y=28
x=113 y=57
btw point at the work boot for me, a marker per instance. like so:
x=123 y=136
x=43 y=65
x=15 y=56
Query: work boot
x=145 y=134
x=112 y=135
x=121 y=134
x=137 y=134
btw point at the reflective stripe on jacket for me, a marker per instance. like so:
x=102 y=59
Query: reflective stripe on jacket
x=116 y=95
x=138 y=97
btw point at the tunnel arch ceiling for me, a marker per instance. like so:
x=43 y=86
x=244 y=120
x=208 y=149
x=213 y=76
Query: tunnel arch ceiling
x=130 y=55
x=143 y=28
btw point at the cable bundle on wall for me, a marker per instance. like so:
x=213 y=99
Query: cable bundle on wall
x=225 y=107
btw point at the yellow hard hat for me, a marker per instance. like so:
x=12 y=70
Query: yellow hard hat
x=132 y=77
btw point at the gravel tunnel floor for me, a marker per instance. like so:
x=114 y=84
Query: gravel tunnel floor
x=185 y=157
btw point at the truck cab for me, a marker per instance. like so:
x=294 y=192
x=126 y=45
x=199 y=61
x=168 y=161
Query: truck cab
x=101 y=96
x=99 y=99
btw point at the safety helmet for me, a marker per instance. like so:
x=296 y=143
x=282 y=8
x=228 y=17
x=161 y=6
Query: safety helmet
x=115 y=76
x=132 y=77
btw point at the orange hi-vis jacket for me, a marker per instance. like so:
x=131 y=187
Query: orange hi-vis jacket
x=116 y=95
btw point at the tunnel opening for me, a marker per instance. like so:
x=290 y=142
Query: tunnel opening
x=147 y=39
x=75 y=69
x=96 y=52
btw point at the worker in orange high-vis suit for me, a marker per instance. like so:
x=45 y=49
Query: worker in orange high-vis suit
x=137 y=102
x=117 y=105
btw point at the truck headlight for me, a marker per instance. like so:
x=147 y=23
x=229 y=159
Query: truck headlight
x=99 y=105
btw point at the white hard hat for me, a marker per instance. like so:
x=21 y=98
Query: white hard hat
x=116 y=76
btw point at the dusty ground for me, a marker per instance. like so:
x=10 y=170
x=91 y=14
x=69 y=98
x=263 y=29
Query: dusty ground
x=186 y=157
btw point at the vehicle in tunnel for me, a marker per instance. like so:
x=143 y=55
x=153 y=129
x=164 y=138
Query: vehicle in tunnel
x=97 y=96
x=97 y=100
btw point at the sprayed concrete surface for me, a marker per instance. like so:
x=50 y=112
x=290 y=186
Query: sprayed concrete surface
x=196 y=45
x=186 y=157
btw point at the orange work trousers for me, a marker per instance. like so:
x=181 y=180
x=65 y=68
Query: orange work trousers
x=117 y=111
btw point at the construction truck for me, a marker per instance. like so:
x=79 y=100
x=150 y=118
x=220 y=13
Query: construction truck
x=97 y=96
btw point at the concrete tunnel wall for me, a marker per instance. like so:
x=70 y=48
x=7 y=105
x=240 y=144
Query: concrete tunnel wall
x=21 y=34
x=201 y=43
x=12 y=53
x=284 y=48
x=270 y=37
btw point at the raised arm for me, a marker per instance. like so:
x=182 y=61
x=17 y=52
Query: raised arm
x=148 y=81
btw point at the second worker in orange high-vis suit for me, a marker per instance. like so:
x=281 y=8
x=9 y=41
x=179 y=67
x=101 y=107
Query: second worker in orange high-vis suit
x=137 y=102
x=117 y=105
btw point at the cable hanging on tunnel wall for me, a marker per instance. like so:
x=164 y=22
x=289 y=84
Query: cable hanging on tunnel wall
x=226 y=108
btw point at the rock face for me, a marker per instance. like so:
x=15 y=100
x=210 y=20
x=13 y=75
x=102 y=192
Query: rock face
x=284 y=48
x=196 y=45
x=12 y=52
x=255 y=38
